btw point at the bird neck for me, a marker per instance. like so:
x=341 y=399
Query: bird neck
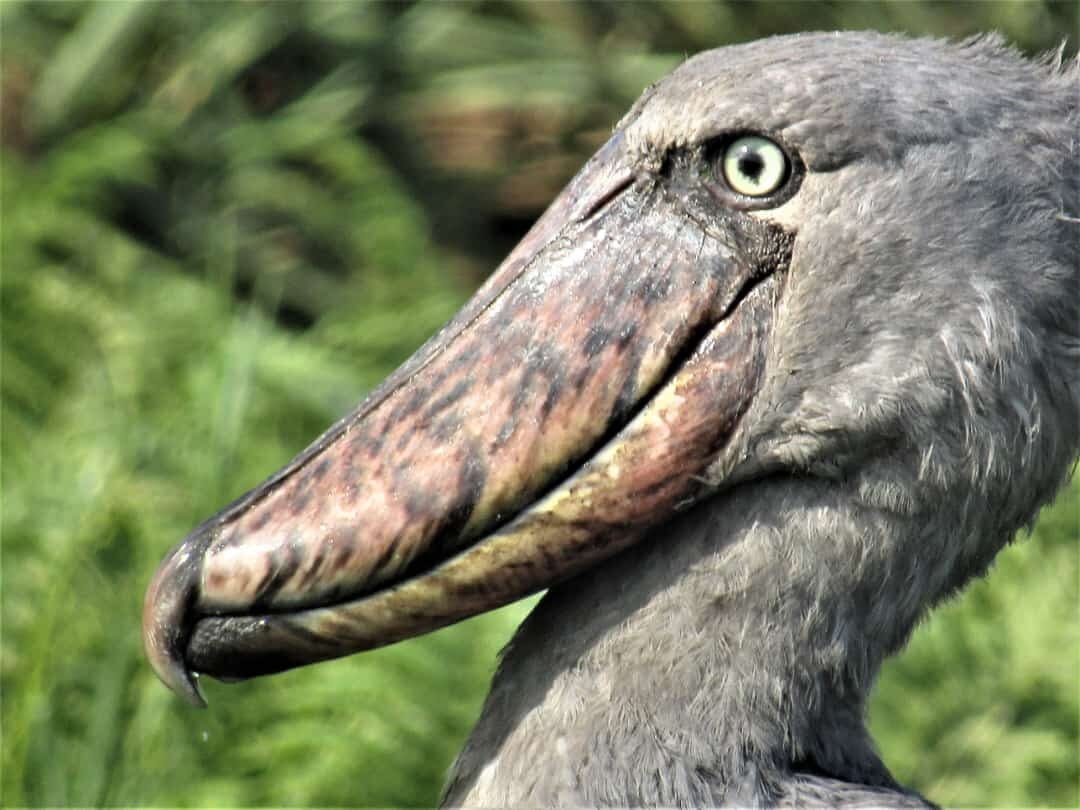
x=724 y=660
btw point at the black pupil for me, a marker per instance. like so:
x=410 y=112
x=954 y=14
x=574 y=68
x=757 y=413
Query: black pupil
x=751 y=164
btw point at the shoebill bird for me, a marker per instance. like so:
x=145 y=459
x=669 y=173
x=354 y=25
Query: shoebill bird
x=787 y=363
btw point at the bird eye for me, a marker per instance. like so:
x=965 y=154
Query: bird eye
x=754 y=166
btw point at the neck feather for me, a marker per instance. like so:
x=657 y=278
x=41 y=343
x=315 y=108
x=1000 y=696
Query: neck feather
x=719 y=662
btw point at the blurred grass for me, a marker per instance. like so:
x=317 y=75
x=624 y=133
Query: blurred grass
x=219 y=225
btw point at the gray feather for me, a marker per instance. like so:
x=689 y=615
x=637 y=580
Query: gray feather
x=923 y=402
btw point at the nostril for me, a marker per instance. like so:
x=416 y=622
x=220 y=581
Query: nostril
x=620 y=183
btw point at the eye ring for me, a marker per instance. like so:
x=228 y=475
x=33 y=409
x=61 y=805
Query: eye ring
x=774 y=169
x=754 y=167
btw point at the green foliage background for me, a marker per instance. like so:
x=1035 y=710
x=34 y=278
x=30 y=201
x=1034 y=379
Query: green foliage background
x=221 y=225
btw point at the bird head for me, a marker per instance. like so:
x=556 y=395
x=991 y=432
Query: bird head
x=852 y=257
